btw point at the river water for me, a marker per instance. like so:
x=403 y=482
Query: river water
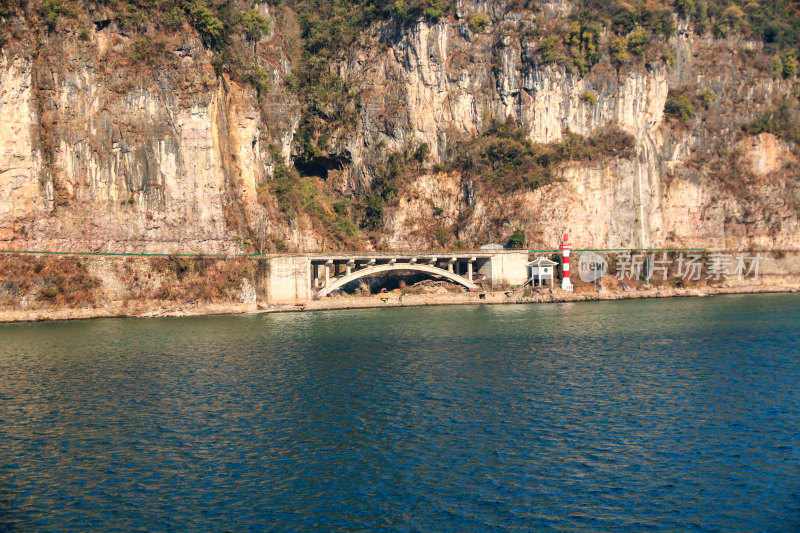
x=668 y=415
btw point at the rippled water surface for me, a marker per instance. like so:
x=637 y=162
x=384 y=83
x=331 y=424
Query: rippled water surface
x=667 y=415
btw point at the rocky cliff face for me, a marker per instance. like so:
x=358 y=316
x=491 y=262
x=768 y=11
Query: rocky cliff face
x=669 y=193
x=96 y=160
x=98 y=152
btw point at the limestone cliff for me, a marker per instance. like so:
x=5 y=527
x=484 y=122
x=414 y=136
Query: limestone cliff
x=101 y=151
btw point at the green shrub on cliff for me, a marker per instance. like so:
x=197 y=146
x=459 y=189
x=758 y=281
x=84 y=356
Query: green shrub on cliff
x=505 y=159
x=51 y=10
x=789 y=64
x=638 y=42
x=405 y=12
x=260 y=79
x=589 y=98
x=341 y=207
x=579 y=45
x=479 y=22
x=434 y=13
x=652 y=17
x=582 y=41
x=422 y=152
x=204 y=21
x=373 y=211
x=283 y=185
x=775 y=23
x=172 y=19
x=142 y=50
x=685 y=7
x=296 y=195
x=619 y=51
x=680 y=107
x=7 y=7
x=255 y=25
x=549 y=50
x=708 y=96
x=776 y=66
x=48 y=293
x=782 y=120
x=131 y=19
x=730 y=21
x=517 y=240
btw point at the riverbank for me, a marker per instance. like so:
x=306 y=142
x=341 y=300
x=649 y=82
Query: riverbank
x=47 y=287
x=158 y=309
x=555 y=296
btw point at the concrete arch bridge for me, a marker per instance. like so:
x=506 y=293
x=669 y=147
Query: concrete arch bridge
x=298 y=278
x=332 y=284
x=334 y=272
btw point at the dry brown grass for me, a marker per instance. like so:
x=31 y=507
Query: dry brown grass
x=201 y=279
x=58 y=281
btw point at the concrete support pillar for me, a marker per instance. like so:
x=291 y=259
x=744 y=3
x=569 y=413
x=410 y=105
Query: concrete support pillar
x=450 y=264
x=392 y=261
x=349 y=267
x=328 y=272
x=371 y=262
x=507 y=268
x=432 y=261
x=315 y=275
x=288 y=280
x=413 y=261
x=469 y=268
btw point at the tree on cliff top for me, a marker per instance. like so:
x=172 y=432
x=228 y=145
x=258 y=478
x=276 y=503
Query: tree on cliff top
x=255 y=25
x=517 y=240
x=207 y=25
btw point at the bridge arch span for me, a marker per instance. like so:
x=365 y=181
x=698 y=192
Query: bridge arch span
x=377 y=269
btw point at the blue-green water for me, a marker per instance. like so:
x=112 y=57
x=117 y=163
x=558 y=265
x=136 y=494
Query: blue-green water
x=668 y=415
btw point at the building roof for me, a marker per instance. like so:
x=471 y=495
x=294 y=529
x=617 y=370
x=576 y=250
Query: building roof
x=542 y=261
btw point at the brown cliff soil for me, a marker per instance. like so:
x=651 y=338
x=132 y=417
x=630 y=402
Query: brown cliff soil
x=54 y=283
x=200 y=279
x=49 y=281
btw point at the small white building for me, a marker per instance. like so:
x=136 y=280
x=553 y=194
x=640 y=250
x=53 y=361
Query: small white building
x=541 y=270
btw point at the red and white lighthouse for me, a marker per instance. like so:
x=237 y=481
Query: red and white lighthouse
x=566 y=284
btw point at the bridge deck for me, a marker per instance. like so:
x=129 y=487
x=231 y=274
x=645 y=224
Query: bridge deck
x=343 y=257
